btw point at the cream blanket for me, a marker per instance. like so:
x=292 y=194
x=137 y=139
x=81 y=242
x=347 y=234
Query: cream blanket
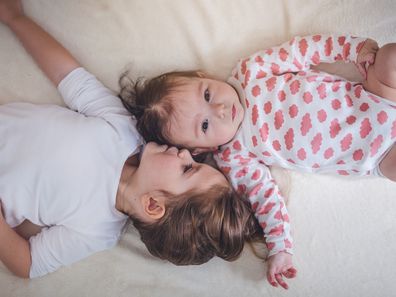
x=344 y=229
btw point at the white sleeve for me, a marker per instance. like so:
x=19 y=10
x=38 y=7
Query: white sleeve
x=58 y=246
x=83 y=92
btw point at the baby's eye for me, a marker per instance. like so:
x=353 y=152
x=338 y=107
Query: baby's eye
x=205 y=125
x=186 y=168
x=207 y=95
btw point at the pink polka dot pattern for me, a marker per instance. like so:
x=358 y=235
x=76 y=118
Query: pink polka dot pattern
x=304 y=120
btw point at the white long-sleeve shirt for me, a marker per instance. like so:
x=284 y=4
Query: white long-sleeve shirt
x=60 y=169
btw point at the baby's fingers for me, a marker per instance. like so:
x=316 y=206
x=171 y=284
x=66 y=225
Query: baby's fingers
x=280 y=281
x=370 y=58
x=290 y=273
x=275 y=279
x=271 y=279
x=362 y=69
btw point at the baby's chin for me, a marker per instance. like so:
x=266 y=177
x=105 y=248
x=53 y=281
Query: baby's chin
x=228 y=139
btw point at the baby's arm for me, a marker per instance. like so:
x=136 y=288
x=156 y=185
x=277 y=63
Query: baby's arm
x=14 y=250
x=254 y=179
x=55 y=61
x=300 y=53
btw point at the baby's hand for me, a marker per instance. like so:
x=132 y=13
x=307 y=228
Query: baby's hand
x=366 y=56
x=280 y=265
x=10 y=10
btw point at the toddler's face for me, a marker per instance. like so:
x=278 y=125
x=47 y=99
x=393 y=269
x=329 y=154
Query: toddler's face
x=172 y=170
x=207 y=113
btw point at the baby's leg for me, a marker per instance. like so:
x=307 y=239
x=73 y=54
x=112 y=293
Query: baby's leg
x=388 y=164
x=381 y=76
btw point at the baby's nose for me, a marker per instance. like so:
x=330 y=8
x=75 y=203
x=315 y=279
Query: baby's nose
x=219 y=109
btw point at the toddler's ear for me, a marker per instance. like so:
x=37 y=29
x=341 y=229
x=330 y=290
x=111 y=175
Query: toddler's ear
x=154 y=206
x=201 y=150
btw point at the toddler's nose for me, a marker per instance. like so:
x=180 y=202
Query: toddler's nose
x=183 y=153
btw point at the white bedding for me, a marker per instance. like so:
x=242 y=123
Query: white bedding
x=344 y=229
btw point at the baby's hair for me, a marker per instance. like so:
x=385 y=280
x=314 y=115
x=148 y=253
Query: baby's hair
x=148 y=100
x=198 y=226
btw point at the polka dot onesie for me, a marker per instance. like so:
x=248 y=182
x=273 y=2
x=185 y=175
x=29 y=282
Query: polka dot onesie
x=304 y=120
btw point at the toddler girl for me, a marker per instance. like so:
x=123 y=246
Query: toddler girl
x=276 y=110
x=74 y=175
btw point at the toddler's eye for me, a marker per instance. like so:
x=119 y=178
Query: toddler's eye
x=205 y=125
x=187 y=168
x=207 y=95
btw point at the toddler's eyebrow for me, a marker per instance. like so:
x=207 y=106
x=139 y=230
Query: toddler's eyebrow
x=194 y=170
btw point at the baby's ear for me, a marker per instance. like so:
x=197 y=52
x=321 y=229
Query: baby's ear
x=201 y=150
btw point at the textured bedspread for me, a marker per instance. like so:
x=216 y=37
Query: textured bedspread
x=344 y=229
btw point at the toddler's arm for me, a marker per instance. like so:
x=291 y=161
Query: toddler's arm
x=55 y=61
x=14 y=250
x=44 y=252
x=80 y=90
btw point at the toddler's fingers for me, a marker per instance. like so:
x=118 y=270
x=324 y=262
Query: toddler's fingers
x=1 y=211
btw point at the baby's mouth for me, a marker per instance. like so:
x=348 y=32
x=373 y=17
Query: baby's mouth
x=233 y=112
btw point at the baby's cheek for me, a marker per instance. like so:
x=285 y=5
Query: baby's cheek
x=225 y=135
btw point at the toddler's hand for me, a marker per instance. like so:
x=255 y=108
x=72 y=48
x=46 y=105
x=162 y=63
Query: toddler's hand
x=1 y=214
x=10 y=10
x=366 y=56
x=280 y=265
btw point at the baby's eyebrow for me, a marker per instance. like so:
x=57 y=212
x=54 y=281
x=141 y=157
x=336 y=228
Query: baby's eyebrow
x=197 y=125
x=200 y=89
x=196 y=121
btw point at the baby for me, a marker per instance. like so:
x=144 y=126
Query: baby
x=276 y=111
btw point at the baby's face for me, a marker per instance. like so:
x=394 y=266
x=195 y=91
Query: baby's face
x=207 y=113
